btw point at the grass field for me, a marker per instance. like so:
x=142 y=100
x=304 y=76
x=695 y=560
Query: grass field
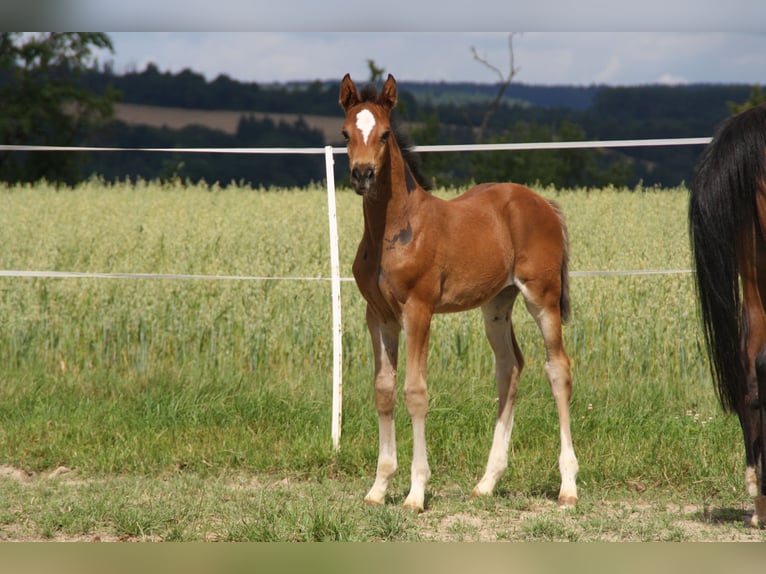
x=163 y=409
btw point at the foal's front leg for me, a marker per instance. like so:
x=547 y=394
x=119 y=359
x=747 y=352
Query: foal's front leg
x=417 y=325
x=385 y=345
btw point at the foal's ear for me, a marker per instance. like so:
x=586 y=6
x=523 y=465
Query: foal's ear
x=349 y=96
x=387 y=95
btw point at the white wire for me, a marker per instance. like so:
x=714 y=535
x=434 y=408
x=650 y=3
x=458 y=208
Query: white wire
x=336 y=150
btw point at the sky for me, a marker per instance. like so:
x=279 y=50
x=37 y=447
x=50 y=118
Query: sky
x=557 y=42
x=549 y=58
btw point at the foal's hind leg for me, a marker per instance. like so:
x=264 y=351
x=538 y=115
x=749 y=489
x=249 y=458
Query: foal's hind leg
x=385 y=345
x=547 y=315
x=508 y=366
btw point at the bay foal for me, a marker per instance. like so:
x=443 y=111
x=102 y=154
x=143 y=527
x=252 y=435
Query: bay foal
x=421 y=255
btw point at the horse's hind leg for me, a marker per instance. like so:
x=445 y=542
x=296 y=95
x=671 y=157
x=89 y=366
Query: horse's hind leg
x=508 y=366
x=385 y=345
x=752 y=411
x=755 y=477
x=547 y=315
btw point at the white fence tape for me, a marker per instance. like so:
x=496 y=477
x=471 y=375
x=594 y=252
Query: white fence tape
x=175 y=276
x=335 y=279
x=336 y=150
x=187 y=277
x=234 y=150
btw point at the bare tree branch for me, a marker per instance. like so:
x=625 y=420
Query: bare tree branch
x=505 y=81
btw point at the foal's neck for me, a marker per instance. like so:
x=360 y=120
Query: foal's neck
x=396 y=188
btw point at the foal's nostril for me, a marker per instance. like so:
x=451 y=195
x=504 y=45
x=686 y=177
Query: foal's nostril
x=363 y=175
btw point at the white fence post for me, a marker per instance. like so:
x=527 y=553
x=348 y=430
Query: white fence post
x=337 y=325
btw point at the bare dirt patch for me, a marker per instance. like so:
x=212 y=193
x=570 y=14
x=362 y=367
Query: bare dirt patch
x=21 y=475
x=15 y=473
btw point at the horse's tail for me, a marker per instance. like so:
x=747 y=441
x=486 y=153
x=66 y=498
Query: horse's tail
x=722 y=218
x=564 y=304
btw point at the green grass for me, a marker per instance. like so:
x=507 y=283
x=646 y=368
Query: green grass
x=200 y=410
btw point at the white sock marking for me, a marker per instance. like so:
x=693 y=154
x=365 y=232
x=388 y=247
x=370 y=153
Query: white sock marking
x=365 y=121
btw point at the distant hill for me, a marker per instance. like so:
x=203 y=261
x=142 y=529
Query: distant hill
x=188 y=89
x=461 y=93
x=163 y=109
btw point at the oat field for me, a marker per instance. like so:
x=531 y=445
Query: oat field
x=199 y=409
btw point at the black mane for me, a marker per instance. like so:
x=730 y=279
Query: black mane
x=369 y=93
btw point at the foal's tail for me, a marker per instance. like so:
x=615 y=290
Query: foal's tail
x=564 y=305
x=722 y=220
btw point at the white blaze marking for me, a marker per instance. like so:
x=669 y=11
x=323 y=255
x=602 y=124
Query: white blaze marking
x=365 y=121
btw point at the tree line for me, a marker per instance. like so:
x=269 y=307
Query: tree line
x=54 y=92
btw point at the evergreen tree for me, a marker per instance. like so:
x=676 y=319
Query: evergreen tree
x=757 y=97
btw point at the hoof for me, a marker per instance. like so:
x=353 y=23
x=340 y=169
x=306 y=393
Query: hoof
x=758 y=519
x=412 y=506
x=476 y=493
x=372 y=500
x=567 y=501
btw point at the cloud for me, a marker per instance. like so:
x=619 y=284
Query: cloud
x=610 y=71
x=671 y=80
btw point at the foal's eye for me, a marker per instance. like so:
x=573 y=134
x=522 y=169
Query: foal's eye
x=345 y=135
x=384 y=136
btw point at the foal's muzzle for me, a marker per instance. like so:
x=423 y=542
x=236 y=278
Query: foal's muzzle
x=362 y=178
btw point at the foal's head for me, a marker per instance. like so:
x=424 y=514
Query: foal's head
x=367 y=130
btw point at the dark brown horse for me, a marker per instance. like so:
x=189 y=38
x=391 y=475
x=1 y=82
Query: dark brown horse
x=421 y=255
x=727 y=219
